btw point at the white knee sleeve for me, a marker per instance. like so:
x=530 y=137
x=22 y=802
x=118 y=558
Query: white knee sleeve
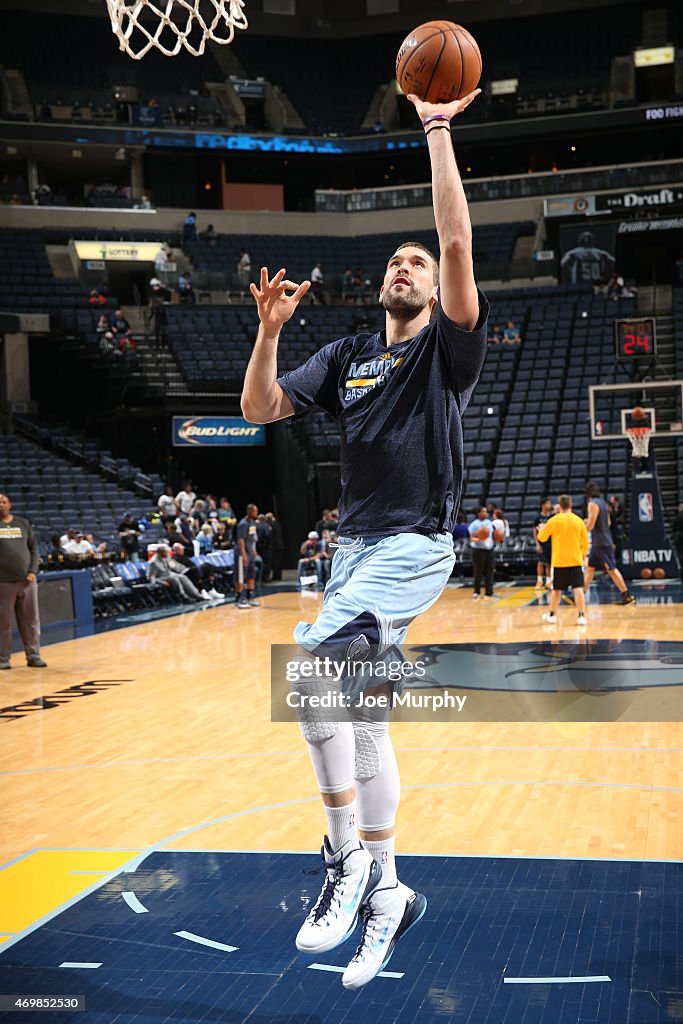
x=332 y=757
x=378 y=786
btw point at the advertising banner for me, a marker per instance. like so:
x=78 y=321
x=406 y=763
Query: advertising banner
x=196 y=431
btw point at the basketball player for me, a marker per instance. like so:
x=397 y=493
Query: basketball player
x=245 y=559
x=544 y=551
x=570 y=547
x=398 y=397
x=602 y=555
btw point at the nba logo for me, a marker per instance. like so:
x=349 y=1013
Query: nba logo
x=645 y=509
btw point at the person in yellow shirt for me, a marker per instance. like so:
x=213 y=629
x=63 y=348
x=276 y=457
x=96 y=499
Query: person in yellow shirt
x=570 y=547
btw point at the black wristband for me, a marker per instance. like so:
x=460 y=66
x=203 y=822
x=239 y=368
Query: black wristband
x=446 y=127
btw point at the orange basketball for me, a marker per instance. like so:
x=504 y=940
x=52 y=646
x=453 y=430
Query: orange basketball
x=438 y=62
x=638 y=413
x=659 y=573
x=646 y=574
x=499 y=536
x=483 y=533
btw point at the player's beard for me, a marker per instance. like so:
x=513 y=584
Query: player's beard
x=405 y=305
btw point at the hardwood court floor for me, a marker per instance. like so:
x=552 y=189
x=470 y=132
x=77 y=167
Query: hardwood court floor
x=175 y=740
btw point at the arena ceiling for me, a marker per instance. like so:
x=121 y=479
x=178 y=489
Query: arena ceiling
x=332 y=18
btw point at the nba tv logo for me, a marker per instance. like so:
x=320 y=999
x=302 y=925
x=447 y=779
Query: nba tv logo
x=645 y=507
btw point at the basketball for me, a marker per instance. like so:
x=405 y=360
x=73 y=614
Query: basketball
x=483 y=533
x=659 y=573
x=638 y=413
x=438 y=62
x=499 y=536
x=646 y=574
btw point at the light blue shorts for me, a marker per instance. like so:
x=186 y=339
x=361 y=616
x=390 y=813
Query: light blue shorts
x=377 y=587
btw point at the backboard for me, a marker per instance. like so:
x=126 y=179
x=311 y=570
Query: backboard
x=611 y=407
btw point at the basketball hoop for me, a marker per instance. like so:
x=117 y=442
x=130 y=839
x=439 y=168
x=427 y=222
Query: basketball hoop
x=170 y=25
x=640 y=441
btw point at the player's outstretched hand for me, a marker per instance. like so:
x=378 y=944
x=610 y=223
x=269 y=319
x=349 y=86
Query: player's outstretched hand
x=275 y=306
x=451 y=110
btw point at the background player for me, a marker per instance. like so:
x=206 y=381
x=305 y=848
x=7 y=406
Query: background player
x=245 y=562
x=602 y=554
x=570 y=547
x=398 y=397
x=483 y=559
x=545 y=551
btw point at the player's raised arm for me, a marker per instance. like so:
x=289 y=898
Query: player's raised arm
x=263 y=400
x=459 y=298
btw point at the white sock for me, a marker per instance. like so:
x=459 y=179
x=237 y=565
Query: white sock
x=382 y=851
x=341 y=825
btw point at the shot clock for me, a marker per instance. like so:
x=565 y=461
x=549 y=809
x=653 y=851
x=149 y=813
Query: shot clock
x=635 y=337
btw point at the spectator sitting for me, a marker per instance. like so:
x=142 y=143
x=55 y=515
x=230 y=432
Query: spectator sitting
x=347 y=286
x=108 y=344
x=98 y=549
x=317 y=281
x=102 y=325
x=96 y=298
x=310 y=562
x=79 y=547
x=198 y=514
x=201 y=575
x=328 y=539
x=495 y=335
x=205 y=539
x=210 y=235
x=66 y=537
x=226 y=515
x=127 y=345
x=190 y=229
x=600 y=286
x=326 y=522
x=511 y=334
x=186 y=293
x=55 y=551
x=222 y=540
x=144 y=204
x=360 y=282
x=172 y=576
x=175 y=536
x=119 y=324
x=244 y=267
x=184 y=525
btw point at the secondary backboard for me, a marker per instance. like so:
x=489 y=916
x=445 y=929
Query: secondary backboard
x=611 y=407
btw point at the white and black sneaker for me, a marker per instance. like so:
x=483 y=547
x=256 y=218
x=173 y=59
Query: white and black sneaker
x=351 y=875
x=581 y=621
x=387 y=915
x=241 y=603
x=550 y=618
x=252 y=602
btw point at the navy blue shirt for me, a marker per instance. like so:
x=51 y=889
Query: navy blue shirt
x=247 y=531
x=399 y=410
x=601 y=535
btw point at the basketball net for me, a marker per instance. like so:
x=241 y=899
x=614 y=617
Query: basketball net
x=640 y=441
x=170 y=25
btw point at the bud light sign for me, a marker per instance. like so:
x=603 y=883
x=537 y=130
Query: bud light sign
x=645 y=507
x=196 y=431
